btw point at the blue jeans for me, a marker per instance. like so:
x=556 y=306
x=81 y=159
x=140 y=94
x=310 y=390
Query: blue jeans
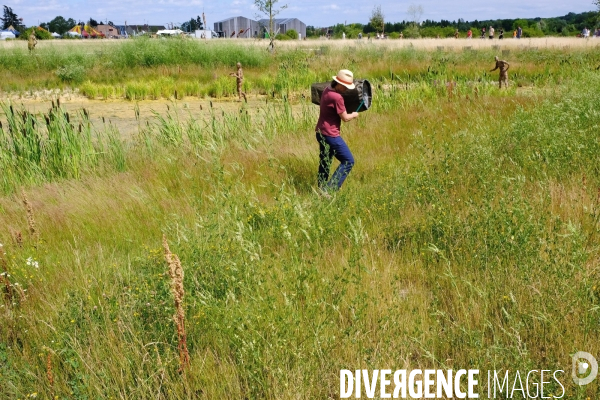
x=330 y=147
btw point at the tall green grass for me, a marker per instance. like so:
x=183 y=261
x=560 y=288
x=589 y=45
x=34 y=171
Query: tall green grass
x=465 y=237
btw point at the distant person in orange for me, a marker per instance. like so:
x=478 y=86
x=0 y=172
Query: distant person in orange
x=515 y=34
x=239 y=75
x=503 y=66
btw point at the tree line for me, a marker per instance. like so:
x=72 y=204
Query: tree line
x=566 y=25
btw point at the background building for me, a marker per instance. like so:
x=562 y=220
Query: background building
x=133 y=29
x=108 y=31
x=240 y=27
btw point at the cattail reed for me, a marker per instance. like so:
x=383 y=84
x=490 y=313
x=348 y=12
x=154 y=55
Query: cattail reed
x=30 y=218
x=176 y=274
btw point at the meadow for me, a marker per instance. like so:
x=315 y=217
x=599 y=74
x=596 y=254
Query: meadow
x=192 y=258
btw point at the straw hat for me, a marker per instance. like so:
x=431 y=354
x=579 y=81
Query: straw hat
x=345 y=78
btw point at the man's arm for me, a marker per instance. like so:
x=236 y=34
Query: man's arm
x=348 y=117
x=492 y=70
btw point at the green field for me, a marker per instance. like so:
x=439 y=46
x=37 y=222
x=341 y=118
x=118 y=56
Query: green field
x=466 y=235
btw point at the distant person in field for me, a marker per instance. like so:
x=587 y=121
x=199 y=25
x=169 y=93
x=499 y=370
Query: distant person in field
x=401 y=35
x=519 y=32
x=586 y=32
x=515 y=34
x=469 y=34
x=332 y=113
x=483 y=33
x=456 y=34
x=503 y=66
x=239 y=77
x=491 y=32
x=501 y=34
x=31 y=42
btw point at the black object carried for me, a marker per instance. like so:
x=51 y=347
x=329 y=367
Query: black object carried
x=357 y=99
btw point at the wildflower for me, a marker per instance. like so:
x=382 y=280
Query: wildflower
x=32 y=263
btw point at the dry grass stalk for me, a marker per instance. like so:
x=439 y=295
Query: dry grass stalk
x=176 y=274
x=30 y=218
x=8 y=289
x=49 y=374
x=19 y=238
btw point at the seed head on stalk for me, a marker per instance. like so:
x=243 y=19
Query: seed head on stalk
x=30 y=218
x=176 y=274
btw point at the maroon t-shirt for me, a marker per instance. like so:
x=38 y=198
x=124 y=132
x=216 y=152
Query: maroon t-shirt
x=332 y=105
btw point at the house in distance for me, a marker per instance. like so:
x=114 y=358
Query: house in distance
x=242 y=27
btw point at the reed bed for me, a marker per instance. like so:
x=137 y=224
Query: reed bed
x=465 y=237
x=53 y=145
x=151 y=69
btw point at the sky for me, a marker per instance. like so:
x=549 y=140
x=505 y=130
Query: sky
x=319 y=13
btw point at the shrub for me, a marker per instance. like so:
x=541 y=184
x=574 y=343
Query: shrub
x=40 y=33
x=71 y=73
x=532 y=32
x=292 y=33
x=412 y=32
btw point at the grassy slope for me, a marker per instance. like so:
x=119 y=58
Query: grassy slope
x=466 y=237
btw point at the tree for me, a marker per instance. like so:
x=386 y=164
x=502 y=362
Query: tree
x=269 y=8
x=415 y=12
x=60 y=25
x=10 y=18
x=377 y=19
x=192 y=25
x=92 y=22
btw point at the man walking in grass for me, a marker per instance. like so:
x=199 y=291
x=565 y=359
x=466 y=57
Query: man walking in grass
x=239 y=75
x=503 y=66
x=31 y=42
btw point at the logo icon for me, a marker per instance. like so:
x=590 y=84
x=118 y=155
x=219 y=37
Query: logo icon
x=584 y=363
